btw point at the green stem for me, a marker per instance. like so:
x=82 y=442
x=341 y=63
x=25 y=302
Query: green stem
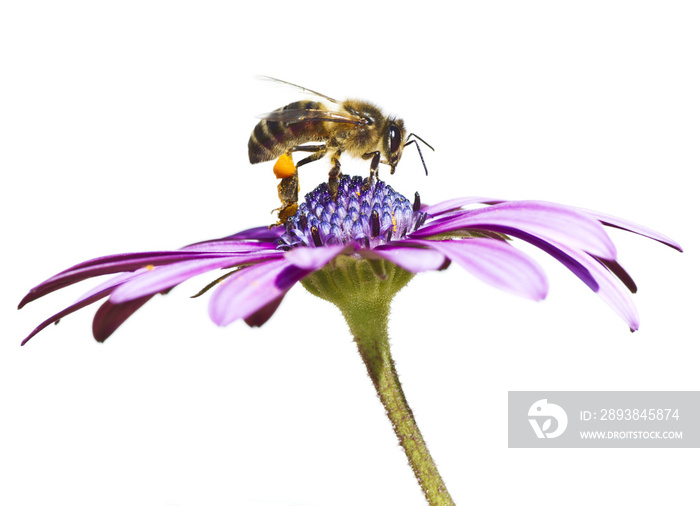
x=364 y=298
x=368 y=325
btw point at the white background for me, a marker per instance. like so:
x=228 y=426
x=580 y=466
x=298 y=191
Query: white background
x=123 y=127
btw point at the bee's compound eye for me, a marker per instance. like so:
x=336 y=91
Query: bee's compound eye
x=394 y=139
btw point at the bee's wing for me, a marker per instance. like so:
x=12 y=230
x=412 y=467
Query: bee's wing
x=267 y=78
x=299 y=115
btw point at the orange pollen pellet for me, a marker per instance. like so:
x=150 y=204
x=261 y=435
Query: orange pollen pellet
x=284 y=167
x=149 y=267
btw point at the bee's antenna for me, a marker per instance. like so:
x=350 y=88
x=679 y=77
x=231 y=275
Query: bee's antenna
x=418 y=148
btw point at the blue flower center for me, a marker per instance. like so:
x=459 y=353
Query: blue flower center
x=370 y=217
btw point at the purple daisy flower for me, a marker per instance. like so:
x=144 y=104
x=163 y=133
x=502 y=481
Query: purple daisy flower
x=375 y=224
x=357 y=251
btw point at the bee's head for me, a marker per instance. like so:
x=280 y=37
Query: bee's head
x=394 y=139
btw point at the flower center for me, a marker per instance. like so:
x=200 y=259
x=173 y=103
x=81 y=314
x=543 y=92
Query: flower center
x=371 y=216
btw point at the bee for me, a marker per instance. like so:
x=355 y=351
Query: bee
x=355 y=127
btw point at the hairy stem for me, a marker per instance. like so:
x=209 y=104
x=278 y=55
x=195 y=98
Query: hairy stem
x=363 y=291
x=368 y=324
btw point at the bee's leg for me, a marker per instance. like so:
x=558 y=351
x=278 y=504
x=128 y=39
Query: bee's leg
x=334 y=174
x=319 y=151
x=288 y=191
x=373 y=167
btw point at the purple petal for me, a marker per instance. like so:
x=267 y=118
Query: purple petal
x=249 y=290
x=454 y=204
x=413 y=259
x=261 y=316
x=570 y=263
x=549 y=221
x=86 y=299
x=315 y=258
x=70 y=309
x=113 y=282
x=614 y=267
x=256 y=234
x=109 y=317
x=611 y=291
x=235 y=247
x=613 y=221
x=497 y=263
x=260 y=233
x=166 y=276
x=109 y=265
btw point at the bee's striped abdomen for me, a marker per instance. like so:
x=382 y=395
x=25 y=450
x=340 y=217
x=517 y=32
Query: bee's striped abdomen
x=271 y=139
